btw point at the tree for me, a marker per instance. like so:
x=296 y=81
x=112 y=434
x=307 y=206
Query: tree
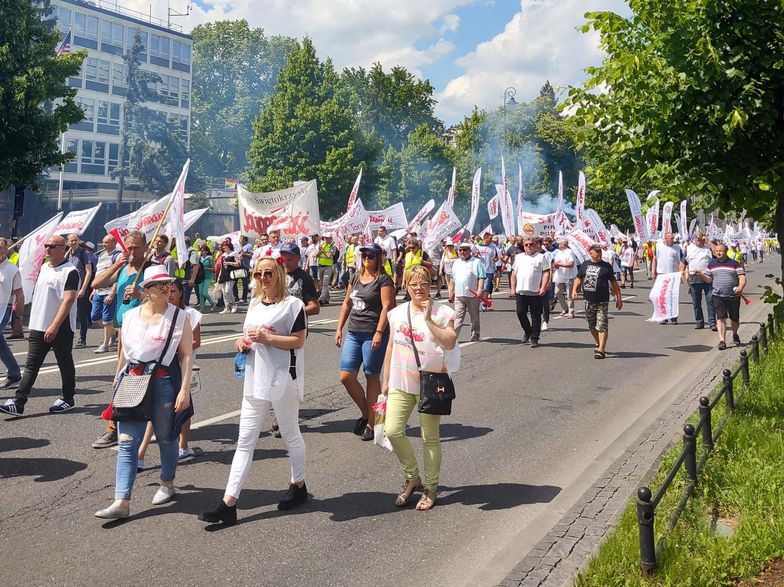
x=235 y=69
x=690 y=99
x=425 y=169
x=36 y=104
x=307 y=130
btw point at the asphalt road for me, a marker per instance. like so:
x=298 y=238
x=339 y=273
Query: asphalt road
x=530 y=431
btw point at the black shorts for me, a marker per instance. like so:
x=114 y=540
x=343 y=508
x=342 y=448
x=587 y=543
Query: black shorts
x=629 y=272
x=725 y=307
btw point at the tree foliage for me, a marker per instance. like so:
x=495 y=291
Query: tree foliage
x=690 y=99
x=307 y=130
x=36 y=104
x=235 y=68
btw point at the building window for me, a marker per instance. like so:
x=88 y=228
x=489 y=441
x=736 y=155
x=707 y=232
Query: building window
x=63 y=18
x=88 y=105
x=112 y=33
x=186 y=92
x=114 y=156
x=87 y=152
x=85 y=26
x=71 y=146
x=131 y=36
x=118 y=75
x=91 y=69
x=103 y=71
x=108 y=113
x=159 y=46
x=99 y=154
x=181 y=52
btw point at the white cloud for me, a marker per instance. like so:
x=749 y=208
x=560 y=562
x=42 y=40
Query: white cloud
x=540 y=43
x=351 y=32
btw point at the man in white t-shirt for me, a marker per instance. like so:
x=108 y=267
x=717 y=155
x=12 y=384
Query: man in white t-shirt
x=488 y=253
x=530 y=280
x=10 y=287
x=666 y=260
x=564 y=268
x=465 y=288
x=52 y=325
x=698 y=255
x=387 y=242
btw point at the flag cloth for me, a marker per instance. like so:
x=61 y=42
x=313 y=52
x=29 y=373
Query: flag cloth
x=64 y=47
x=450 y=198
x=684 y=227
x=635 y=207
x=229 y=184
x=664 y=296
x=31 y=254
x=519 y=199
x=354 y=191
x=492 y=207
x=420 y=216
x=77 y=221
x=193 y=216
x=176 y=215
x=579 y=206
x=475 y=189
x=667 y=218
x=559 y=207
x=652 y=215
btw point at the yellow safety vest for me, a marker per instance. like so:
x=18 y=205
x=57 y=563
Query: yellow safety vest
x=388 y=269
x=324 y=261
x=350 y=251
x=413 y=259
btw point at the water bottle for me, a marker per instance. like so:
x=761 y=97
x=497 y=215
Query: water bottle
x=239 y=364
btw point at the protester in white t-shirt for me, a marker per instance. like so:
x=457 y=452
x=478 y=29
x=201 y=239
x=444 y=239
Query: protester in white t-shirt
x=698 y=255
x=628 y=261
x=564 y=269
x=387 y=242
x=466 y=287
x=530 y=280
x=666 y=260
x=10 y=287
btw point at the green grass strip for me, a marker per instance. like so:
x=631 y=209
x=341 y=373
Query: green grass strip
x=741 y=488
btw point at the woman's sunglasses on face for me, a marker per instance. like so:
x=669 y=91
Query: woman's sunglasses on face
x=268 y=273
x=368 y=256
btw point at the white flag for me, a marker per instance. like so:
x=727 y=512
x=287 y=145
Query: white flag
x=664 y=296
x=519 y=199
x=193 y=216
x=488 y=228
x=354 y=191
x=475 y=189
x=652 y=215
x=580 y=204
x=420 y=216
x=31 y=254
x=684 y=227
x=450 y=198
x=667 y=217
x=77 y=221
x=176 y=216
x=492 y=207
x=559 y=208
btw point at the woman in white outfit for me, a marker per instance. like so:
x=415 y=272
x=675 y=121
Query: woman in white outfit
x=274 y=337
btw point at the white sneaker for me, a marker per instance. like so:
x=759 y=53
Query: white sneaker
x=224 y=311
x=101 y=349
x=544 y=326
x=234 y=309
x=163 y=495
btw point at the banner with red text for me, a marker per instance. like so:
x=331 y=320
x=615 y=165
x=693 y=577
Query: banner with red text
x=667 y=218
x=475 y=193
x=31 y=254
x=297 y=207
x=492 y=207
x=535 y=225
x=635 y=207
x=579 y=206
x=664 y=296
x=420 y=216
x=354 y=191
x=77 y=221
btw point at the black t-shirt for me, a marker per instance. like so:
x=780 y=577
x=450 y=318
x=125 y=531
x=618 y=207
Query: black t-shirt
x=300 y=285
x=366 y=303
x=595 y=279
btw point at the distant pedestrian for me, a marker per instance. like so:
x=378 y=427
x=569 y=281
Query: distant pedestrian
x=597 y=278
x=530 y=280
x=564 y=269
x=52 y=326
x=466 y=286
x=104 y=299
x=698 y=257
x=80 y=259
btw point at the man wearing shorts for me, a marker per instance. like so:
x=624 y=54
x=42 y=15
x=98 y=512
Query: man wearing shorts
x=596 y=278
x=729 y=280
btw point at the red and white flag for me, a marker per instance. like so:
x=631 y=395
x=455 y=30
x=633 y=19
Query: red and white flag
x=176 y=216
x=684 y=227
x=76 y=222
x=65 y=47
x=475 y=189
x=31 y=254
x=652 y=215
x=559 y=207
x=492 y=207
x=635 y=207
x=354 y=191
x=426 y=209
x=519 y=199
x=450 y=198
x=664 y=296
x=667 y=217
x=580 y=204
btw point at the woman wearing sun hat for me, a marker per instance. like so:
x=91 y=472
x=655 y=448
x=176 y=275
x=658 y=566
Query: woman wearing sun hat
x=144 y=334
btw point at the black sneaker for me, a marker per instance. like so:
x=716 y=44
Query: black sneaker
x=534 y=343
x=60 y=406
x=8 y=383
x=525 y=339
x=105 y=440
x=359 y=426
x=295 y=497
x=736 y=340
x=699 y=326
x=81 y=343
x=367 y=434
x=12 y=407
x=220 y=513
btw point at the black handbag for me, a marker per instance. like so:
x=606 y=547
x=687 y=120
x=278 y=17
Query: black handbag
x=436 y=390
x=132 y=400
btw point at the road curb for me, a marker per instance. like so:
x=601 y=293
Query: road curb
x=575 y=538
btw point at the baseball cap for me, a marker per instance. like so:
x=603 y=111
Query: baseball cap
x=291 y=248
x=375 y=249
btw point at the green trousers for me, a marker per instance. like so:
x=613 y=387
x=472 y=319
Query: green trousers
x=399 y=407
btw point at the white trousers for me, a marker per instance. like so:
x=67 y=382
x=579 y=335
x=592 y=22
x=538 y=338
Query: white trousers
x=252 y=416
x=228 y=292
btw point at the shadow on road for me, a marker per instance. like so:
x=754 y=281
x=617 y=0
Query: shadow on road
x=499 y=496
x=450 y=432
x=44 y=469
x=21 y=443
x=691 y=348
x=632 y=355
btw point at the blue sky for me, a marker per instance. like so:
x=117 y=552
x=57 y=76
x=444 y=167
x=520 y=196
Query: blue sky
x=471 y=50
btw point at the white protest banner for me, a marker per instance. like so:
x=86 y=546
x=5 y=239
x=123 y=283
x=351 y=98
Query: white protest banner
x=652 y=215
x=392 y=217
x=562 y=223
x=355 y=220
x=120 y=225
x=692 y=226
x=258 y=211
x=615 y=231
x=684 y=227
x=519 y=198
x=420 y=216
x=354 y=191
x=580 y=204
x=597 y=226
x=635 y=207
x=146 y=218
x=580 y=242
x=667 y=217
x=176 y=215
x=367 y=235
x=193 y=216
x=441 y=226
x=559 y=207
x=507 y=210
x=535 y=225
x=77 y=221
x=31 y=254
x=450 y=198
x=475 y=193
x=664 y=296
x=492 y=207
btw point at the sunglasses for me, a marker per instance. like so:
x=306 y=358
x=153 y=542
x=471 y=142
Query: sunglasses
x=368 y=256
x=49 y=246
x=528 y=244
x=266 y=273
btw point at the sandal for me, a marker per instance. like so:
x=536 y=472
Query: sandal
x=407 y=492
x=598 y=354
x=427 y=501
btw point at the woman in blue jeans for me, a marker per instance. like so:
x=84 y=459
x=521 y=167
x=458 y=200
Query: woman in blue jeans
x=144 y=333
x=369 y=296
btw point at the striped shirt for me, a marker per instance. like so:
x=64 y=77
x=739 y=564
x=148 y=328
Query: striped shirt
x=725 y=276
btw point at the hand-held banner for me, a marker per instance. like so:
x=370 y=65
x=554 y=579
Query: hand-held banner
x=667 y=218
x=492 y=207
x=664 y=296
x=559 y=207
x=652 y=215
x=258 y=211
x=420 y=216
x=193 y=216
x=597 y=226
x=176 y=216
x=77 y=221
x=475 y=193
x=354 y=191
x=450 y=198
x=635 y=207
x=580 y=204
x=519 y=199
x=31 y=254
x=684 y=227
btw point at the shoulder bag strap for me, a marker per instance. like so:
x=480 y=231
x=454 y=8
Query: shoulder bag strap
x=411 y=336
x=169 y=337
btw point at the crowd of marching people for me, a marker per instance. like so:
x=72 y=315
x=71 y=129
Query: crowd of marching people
x=394 y=324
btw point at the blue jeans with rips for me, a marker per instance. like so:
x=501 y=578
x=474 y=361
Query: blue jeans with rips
x=130 y=435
